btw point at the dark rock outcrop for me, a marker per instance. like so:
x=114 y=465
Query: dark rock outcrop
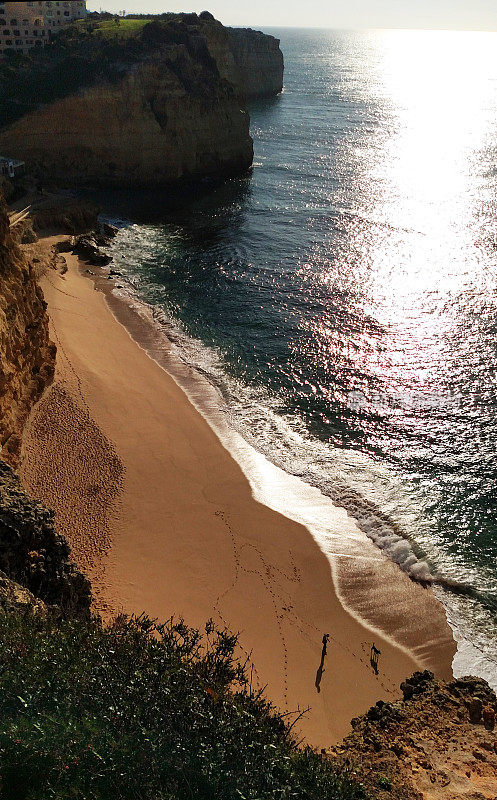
x=249 y=60
x=16 y=598
x=88 y=248
x=33 y=555
x=27 y=356
x=109 y=231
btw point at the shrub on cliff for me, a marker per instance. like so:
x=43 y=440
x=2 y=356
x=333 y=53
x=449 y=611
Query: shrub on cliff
x=142 y=711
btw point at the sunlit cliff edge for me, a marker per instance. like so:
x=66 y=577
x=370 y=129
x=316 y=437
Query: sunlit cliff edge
x=27 y=356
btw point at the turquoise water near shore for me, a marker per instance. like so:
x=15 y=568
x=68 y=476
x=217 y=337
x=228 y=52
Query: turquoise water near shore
x=343 y=296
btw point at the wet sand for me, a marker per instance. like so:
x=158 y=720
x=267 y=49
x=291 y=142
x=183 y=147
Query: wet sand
x=164 y=521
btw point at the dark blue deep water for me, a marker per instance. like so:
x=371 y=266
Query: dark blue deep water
x=343 y=295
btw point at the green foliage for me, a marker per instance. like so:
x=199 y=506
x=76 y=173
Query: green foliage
x=142 y=711
x=384 y=783
x=115 y=27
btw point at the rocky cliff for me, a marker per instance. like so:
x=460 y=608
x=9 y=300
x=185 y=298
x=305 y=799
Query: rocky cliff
x=34 y=556
x=35 y=569
x=146 y=130
x=438 y=743
x=156 y=108
x=250 y=61
x=26 y=353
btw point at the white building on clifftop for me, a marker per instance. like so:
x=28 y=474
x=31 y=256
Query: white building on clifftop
x=30 y=24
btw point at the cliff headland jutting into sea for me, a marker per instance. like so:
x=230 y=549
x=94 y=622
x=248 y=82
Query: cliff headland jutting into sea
x=160 y=106
x=126 y=466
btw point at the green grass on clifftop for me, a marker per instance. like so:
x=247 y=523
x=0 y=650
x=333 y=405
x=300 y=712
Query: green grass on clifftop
x=115 y=28
x=143 y=711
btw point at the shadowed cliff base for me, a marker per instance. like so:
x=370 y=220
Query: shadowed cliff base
x=34 y=555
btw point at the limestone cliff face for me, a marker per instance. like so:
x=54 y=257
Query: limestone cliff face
x=26 y=353
x=250 y=61
x=170 y=117
x=438 y=743
x=156 y=109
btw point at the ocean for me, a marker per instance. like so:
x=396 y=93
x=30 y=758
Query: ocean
x=342 y=297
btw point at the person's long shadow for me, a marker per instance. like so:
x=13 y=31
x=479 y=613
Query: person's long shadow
x=319 y=673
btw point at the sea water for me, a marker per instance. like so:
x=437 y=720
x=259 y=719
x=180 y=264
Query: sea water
x=342 y=297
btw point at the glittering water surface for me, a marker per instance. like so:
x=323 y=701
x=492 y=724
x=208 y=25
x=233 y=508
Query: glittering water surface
x=344 y=295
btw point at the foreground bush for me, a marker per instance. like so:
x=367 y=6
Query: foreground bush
x=142 y=711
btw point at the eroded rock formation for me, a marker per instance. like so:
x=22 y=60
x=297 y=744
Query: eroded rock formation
x=249 y=60
x=146 y=130
x=165 y=116
x=27 y=356
x=439 y=742
x=33 y=555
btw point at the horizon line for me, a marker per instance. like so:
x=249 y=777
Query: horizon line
x=351 y=28
x=358 y=29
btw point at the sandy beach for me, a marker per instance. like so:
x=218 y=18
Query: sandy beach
x=164 y=521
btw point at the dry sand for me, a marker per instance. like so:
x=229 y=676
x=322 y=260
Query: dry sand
x=164 y=521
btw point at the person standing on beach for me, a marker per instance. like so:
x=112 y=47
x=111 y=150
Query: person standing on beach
x=374 y=657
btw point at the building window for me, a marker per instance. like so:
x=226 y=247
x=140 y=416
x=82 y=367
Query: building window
x=6 y=33
x=8 y=41
x=16 y=33
x=13 y=22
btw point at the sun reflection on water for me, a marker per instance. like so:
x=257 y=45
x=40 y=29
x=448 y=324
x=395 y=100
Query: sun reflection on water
x=422 y=184
x=441 y=95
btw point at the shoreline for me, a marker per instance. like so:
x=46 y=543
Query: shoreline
x=169 y=517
